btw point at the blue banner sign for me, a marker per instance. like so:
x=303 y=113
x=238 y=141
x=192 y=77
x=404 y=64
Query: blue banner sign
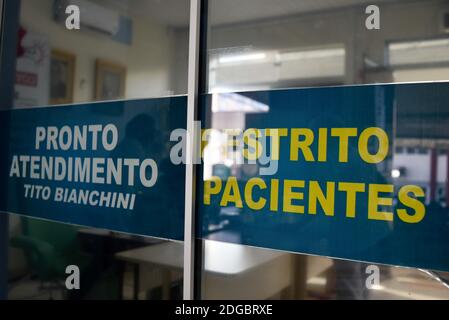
x=313 y=171
x=104 y=165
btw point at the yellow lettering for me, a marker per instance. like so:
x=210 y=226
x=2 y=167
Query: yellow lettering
x=343 y=134
x=250 y=139
x=304 y=145
x=322 y=144
x=382 y=151
x=290 y=195
x=374 y=201
x=276 y=135
x=351 y=190
x=231 y=193
x=274 y=195
x=232 y=142
x=415 y=204
x=255 y=205
x=209 y=189
x=317 y=194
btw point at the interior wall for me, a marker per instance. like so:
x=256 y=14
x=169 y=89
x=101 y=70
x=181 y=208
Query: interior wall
x=156 y=60
x=181 y=60
x=148 y=59
x=411 y=20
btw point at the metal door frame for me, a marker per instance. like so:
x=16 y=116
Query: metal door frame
x=9 y=13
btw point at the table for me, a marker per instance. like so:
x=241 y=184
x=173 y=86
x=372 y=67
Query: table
x=104 y=244
x=224 y=262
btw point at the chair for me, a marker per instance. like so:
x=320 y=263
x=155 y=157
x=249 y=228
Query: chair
x=49 y=248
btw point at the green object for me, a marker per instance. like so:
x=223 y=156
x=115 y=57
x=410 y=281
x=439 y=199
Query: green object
x=107 y=287
x=49 y=248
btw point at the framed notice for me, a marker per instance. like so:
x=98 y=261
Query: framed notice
x=31 y=86
x=62 y=77
x=90 y=169
x=109 y=80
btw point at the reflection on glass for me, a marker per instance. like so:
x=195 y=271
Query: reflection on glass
x=123 y=50
x=257 y=69
x=418 y=52
x=294 y=44
x=111 y=265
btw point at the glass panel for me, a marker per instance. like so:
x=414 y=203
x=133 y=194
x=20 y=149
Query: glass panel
x=260 y=45
x=124 y=50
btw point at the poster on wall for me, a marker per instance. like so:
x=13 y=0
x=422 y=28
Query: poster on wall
x=32 y=70
x=82 y=165
x=310 y=171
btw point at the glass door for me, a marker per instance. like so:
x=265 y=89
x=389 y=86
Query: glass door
x=98 y=210
x=297 y=68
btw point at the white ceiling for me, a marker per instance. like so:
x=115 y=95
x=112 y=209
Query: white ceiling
x=249 y=10
x=174 y=13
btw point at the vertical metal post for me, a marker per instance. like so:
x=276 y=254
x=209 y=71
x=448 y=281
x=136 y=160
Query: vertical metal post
x=3 y=220
x=192 y=147
x=9 y=18
x=1 y=17
x=433 y=173
x=447 y=179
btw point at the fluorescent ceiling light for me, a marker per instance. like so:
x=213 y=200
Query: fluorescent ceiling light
x=395 y=173
x=418 y=52
x=234 y=102
x=419 y=44
x=242 y=57
x=312 y=54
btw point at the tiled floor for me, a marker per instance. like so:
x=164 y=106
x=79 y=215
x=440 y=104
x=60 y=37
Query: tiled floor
x=400 y=283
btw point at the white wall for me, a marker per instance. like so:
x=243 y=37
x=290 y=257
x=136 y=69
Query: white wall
x=149 y=62
x=148 y=59
x=407 y=20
